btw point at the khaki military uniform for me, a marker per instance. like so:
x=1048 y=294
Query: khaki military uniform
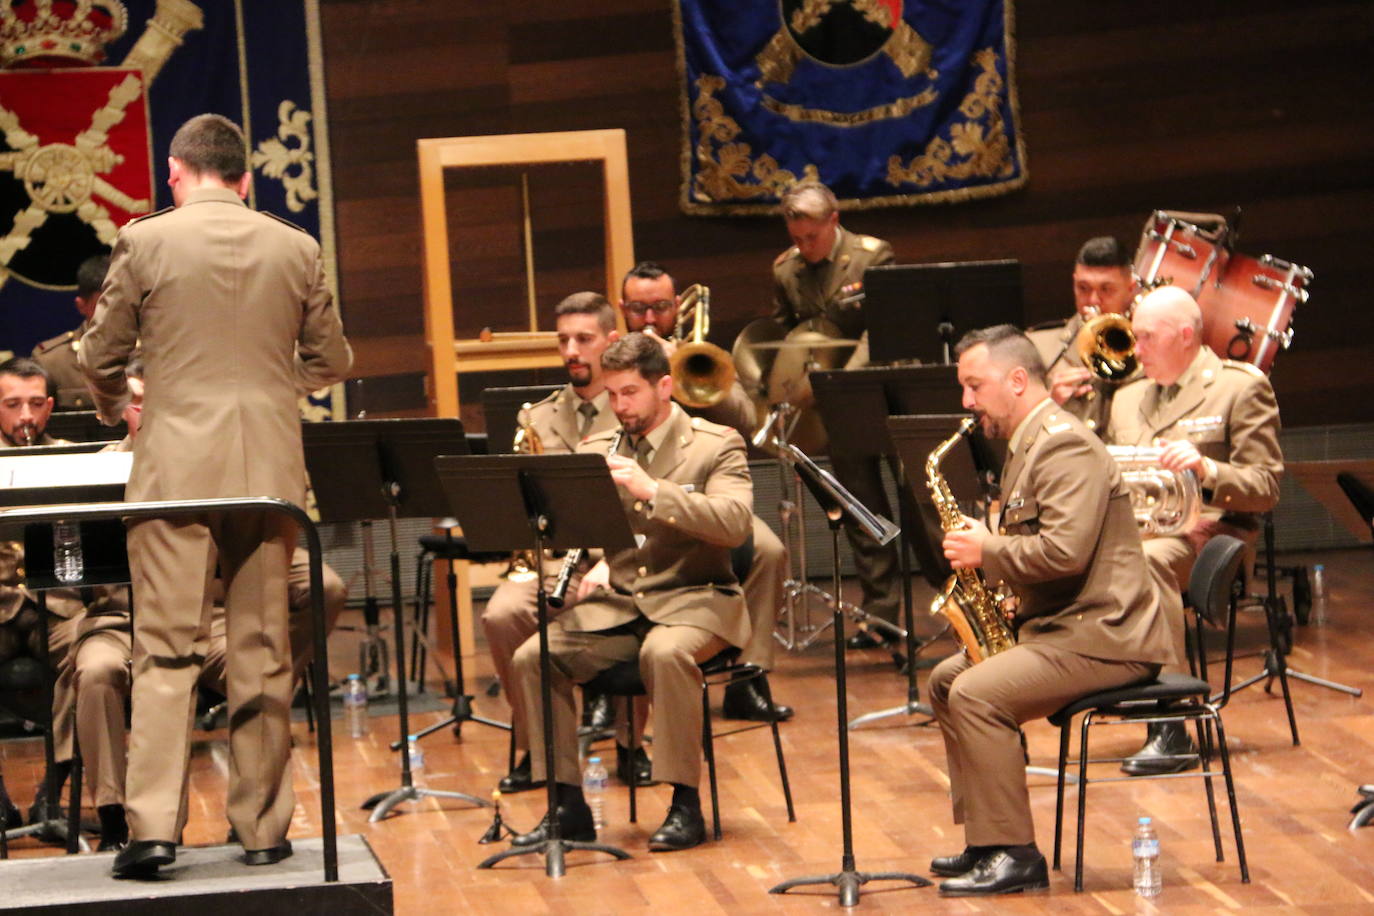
x=1068 y=547
x=802 y=291
x=1055 y=343
x=58 y=357
x=235 y=319
x=673 y=601
x=1228 y=410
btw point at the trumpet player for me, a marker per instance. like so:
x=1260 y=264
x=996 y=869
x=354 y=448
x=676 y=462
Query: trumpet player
x=650 y=303
x=1068 y=547
x=1216 y=418
x=1103 y=283
x=586 y=326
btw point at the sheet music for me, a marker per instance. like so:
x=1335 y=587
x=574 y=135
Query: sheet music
x=91 y=469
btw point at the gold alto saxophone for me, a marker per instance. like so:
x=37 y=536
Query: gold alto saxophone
x=973 y=609
x=558 y=596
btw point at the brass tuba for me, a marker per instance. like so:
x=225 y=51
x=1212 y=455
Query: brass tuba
x=1106 y=344
x=523 y=565
x=702 y=372
x=973 y=609
x=1165 y=502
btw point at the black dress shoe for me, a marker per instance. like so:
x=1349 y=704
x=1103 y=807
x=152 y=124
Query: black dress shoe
x=142 y=858
x=1168 y=749
x=682 y=829
x=999 y=873
x=634 y=764
x=868 y=639
x=574 y=823
x=10 y=816
x=519 y=779
x=744 y=700
x=956 y=865
x=269 y=856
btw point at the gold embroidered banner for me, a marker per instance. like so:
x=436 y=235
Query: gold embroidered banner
x=888 y=102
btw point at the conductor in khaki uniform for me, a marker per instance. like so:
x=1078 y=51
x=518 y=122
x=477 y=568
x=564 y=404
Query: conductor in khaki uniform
x=1217 y=419
x=650 y=303
x=58 y=355
x=235 y=320
x=821 y=277
x=1103 y=282
x=671 y=603
x=1089 y=619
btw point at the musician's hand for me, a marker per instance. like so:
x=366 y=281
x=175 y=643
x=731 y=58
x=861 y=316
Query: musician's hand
x=627 y=473
x=1070 y=383
x=1181 y=455
x=964 y=548
x=599 y=576
x=669 y=346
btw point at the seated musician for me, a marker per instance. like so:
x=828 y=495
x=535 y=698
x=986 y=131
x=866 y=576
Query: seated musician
x=671 y=603
x=1068 y=547
x=57 y=355
x=650 y=303
x=586 y=326
x=1216 y=418
x=1103 y=281
x=821 y=277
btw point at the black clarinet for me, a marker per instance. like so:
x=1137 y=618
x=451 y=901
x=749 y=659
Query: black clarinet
x=559 y=596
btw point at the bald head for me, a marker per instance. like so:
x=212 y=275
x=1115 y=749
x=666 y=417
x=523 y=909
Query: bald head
x=1168 y=331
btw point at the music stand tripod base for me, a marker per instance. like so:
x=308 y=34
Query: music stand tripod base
x=382 y=803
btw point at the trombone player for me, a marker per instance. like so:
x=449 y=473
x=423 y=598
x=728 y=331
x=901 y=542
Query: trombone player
x=650 y=303
x=1103 y=283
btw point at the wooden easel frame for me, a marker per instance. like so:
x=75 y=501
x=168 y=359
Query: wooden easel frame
x=523 y=349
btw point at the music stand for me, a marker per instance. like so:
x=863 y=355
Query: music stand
x=83 y=426
x=841 y=509
x=918 y=311
x=367 y=469
x=513 y=502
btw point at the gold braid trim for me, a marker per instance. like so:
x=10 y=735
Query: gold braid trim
x=723 y=164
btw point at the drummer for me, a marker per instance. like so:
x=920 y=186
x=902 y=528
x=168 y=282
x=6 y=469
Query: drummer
x=821 y=277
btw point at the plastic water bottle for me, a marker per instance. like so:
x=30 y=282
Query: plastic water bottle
x=1145 y=852
x=68 y=563
x=417 y=759
x=1319 y=595
x=594 y=782
x=355 y=705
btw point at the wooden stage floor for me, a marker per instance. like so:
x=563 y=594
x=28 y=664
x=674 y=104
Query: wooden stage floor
x=1294 y=801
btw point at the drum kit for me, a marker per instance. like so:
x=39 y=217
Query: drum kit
x=1247 y=303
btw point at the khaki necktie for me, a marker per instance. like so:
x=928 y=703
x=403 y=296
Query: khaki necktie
x=644 y=452
x=588 y=411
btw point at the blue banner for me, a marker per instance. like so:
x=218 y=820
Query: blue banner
x=889 y=102
x=72 y=173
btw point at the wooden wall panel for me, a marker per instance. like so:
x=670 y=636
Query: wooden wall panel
x=1125 y=107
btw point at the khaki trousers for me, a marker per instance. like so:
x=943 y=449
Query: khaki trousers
x=668 y=658
x=1170 y=560
x=980 y=708
x=763 y=593
x=173 y=564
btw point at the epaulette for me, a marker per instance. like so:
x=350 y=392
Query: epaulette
x=1251 y=368
x=706 y=426
x=549 y=398
x=1049 y=325
x=54 y=343
x=147 y=216
x=869 y=243
x=286 y=222
x=791 y=252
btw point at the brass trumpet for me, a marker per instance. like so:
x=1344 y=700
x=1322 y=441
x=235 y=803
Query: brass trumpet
x=1106 y=344
x=702 y=372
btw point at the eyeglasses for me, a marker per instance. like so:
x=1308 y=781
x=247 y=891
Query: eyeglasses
x=662 y=307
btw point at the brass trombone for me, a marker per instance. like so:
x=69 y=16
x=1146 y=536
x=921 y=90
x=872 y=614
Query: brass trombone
x=1106 y=344
x=702 y=372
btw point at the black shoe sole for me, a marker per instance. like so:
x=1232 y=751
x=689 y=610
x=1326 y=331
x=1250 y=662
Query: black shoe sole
x=1160 y=768
x=517 y=788
x=669 y=847
x=1029 y=887
x=269 y=856
x=146 y=865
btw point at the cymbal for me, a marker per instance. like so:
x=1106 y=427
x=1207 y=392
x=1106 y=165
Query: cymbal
x=807 y=341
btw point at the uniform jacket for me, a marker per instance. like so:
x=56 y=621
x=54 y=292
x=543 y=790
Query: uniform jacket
x=681 y=573
x=1228 y=410
x=1068 y=546
x=801 y=291
x=58 y=356
x=236 y=321
x=556 y=421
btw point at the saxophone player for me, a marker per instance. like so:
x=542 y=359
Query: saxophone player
x=1068 y=547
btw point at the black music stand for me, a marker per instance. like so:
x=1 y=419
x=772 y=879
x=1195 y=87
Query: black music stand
x=843 y=509
x=512 y=502
x=367 y=469
x=918 y=311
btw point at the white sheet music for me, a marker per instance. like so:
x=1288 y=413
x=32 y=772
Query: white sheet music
x=94 y=468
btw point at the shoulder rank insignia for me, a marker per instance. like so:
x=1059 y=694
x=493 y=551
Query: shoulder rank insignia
x=285 y=221
x=1251 y=368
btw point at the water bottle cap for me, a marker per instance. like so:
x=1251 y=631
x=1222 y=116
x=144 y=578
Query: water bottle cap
x=1144 y=820
x=1320 y=567
x=353 y=677
x=593 y=759
x=410 y=737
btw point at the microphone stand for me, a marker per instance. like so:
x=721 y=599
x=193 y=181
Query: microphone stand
x=841 y=507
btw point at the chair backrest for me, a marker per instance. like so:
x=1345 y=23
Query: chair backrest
x=1214 y=577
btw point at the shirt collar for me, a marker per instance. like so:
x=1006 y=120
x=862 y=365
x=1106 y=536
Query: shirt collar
x=1014 y=443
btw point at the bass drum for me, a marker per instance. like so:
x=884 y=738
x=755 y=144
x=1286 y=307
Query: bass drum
x=1247 y=311
x=1176 y=249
